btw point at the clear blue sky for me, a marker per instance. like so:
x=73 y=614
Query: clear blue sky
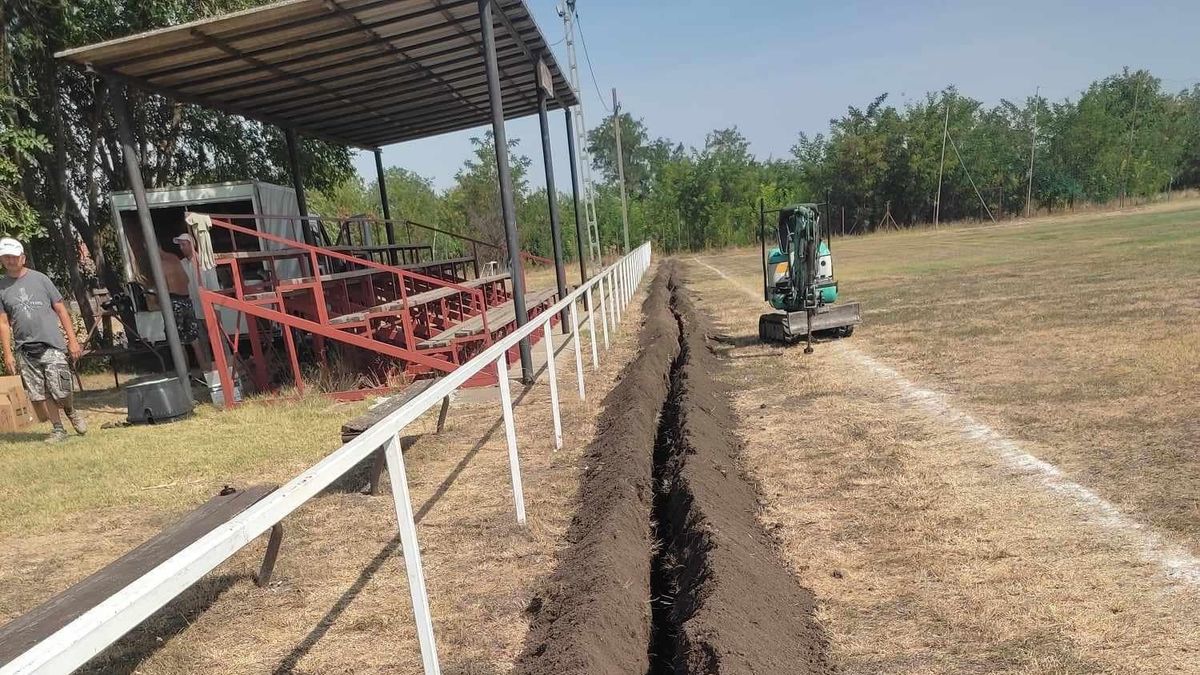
x=775 y=68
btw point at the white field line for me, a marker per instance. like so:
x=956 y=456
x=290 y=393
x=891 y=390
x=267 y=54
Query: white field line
x=1178 y=563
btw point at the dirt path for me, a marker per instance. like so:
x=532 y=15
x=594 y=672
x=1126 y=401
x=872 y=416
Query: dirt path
x=668 y=570
x=932 y=542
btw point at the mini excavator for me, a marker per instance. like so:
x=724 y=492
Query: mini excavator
x=798 y=281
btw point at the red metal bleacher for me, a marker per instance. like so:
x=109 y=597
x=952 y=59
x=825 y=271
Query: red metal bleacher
x=416 y=319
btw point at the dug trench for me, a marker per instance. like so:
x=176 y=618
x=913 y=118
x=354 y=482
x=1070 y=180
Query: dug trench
x=666 y=568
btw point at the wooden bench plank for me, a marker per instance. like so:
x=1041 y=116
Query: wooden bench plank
x=336 y=276
x=496 y=317
x=378 y=248
x=355 y=274
x=418 y=299
x=19 y=635
x=260 y=255
x=356 y=426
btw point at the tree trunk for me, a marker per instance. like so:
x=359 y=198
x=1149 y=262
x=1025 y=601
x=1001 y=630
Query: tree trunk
x=61 y=228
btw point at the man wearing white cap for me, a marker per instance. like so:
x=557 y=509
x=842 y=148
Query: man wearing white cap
x=197 y=278
x=34 y=317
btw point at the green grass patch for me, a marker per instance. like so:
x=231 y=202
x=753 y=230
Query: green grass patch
x=159 y=467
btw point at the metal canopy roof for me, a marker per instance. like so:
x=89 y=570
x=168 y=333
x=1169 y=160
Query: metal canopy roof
x=364 y=73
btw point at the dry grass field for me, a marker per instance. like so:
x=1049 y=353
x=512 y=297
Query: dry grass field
x=997 y=472
x=338 y=601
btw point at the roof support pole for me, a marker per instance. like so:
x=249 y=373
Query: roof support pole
x=133 y=170
x=507 y=206
x=560 y=272
x=293 y=150
x=388 y=225
x=580 y=231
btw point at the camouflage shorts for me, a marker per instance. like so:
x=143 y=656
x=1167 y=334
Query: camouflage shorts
x=185 y=319
x=46 y=377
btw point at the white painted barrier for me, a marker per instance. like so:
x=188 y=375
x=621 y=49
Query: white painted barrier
x=99 y=627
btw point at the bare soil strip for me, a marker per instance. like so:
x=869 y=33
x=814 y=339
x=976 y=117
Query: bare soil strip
x=668 y=570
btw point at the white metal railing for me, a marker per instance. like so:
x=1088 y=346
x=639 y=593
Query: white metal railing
x=99 y=627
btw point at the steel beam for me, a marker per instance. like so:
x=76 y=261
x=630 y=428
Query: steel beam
x=392 y=49
x=432 y=113
x=507 y=206
x=399 y=82
x=560 y=273
x=311 y=53
x=281 y=29
x=383 y=201
x=580 y=230
x=133 y=169
x=479 y=47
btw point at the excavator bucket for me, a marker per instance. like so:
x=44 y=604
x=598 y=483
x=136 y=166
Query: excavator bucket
x=829 y=321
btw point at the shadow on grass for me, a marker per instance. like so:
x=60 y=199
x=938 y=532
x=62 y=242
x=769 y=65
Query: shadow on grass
x=358 y=479
x=289 y=663
x=126 y=655
x=735 y=341
x=25 y=436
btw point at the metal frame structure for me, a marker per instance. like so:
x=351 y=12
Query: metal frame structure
x=398 y=311
x=104 y=624
x=362 y=73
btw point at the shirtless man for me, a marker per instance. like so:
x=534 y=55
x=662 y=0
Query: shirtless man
x=179 y=288
x=197 y=279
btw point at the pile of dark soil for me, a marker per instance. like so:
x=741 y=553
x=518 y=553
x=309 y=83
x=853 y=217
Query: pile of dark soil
x=667 y=569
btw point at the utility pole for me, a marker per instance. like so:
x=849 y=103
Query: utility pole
x=621 y=169
x=937 y=204
x=1032 y=148
x=566 y=10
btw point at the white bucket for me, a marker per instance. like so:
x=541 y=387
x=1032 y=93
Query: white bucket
x=215 y=391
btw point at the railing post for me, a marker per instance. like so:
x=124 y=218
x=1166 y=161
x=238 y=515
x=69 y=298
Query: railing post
x=621 y=286
x=615 y=296
x=216 y=335
x=510 y=434
x=603 y=310
x=625 y=290
x=412 y=555
x=577 y=335
x=591 y=308
x=548 y=338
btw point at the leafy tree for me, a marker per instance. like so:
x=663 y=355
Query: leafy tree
x=61 y=139
x=475 y=198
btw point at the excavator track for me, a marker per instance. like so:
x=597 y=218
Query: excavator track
x=830 y=321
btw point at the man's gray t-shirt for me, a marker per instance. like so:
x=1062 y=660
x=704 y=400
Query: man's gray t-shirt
x=29 y=303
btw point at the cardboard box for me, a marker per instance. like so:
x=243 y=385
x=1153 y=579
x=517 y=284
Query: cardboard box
x=16 y=412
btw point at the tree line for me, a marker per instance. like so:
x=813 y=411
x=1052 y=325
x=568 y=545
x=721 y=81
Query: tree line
x=59 y=153
x=1125 y=136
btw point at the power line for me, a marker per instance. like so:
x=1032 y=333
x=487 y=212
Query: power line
x=588 y=57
